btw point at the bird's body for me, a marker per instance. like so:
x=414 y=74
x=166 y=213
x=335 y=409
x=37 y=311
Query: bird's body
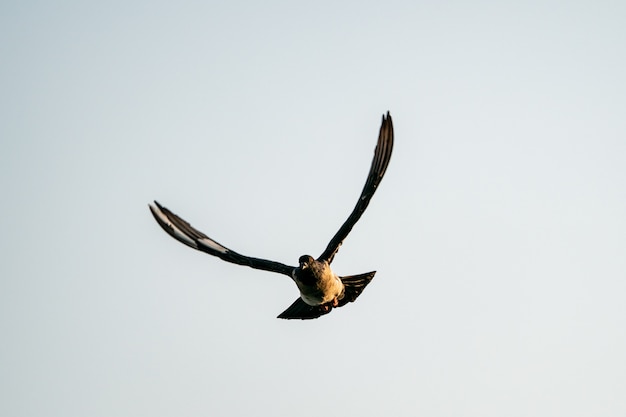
x=317 y=283
x=320 y=288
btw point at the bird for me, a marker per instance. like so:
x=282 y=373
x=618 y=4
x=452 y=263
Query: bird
x=320 y=288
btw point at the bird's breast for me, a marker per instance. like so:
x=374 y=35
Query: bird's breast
x=320 y=288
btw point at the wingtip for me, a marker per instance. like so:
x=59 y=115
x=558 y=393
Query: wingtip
x=155 y=208
x=161 y=215
x=386 y=119
x=387 y=123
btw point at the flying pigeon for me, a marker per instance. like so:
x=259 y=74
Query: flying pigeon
x=320 y=288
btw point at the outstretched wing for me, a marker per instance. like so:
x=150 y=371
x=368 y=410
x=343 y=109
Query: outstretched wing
x=185 y=233
x=382 y=155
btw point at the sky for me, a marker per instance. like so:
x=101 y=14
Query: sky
x=498 y=232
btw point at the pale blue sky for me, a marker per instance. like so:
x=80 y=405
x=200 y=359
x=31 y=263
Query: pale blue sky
x=498 y=233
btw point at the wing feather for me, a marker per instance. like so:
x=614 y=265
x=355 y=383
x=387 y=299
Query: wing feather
x=182 y=231
x=382 y=155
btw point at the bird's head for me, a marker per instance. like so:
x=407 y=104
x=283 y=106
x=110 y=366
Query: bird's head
x=305 y=261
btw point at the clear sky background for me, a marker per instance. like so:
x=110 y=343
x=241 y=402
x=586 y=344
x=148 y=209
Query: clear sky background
x=498 y=233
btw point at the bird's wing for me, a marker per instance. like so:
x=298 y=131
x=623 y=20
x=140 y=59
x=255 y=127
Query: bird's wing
x=182 y=231
x=382 y=155
x=301 y=310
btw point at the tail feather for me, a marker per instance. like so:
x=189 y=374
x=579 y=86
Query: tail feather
x=354 y=286
x=301 y=310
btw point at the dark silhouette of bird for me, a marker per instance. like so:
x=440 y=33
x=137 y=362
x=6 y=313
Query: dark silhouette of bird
x=321 y=289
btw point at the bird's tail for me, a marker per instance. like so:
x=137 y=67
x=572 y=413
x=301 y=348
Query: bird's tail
x=354 y=286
